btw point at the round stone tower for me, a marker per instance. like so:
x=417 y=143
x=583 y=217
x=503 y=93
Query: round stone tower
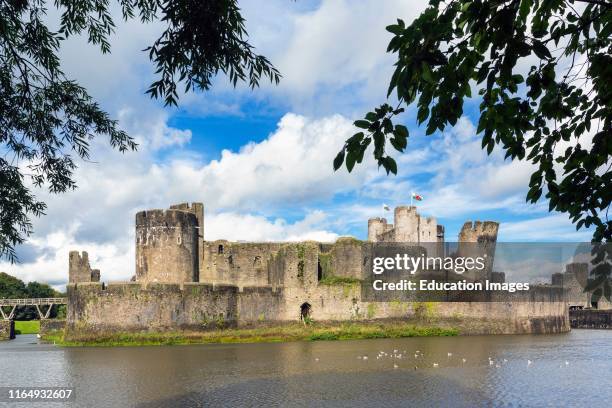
x=376 y=226
x=406 y=223
x=167 y=246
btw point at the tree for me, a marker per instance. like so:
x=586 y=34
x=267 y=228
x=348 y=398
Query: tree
x=537 y=114
x=14 y=288
x=47 y=120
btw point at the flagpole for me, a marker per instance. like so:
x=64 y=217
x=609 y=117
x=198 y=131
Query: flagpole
x=411 y=195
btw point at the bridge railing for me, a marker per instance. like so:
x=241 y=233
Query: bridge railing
x=33 y=302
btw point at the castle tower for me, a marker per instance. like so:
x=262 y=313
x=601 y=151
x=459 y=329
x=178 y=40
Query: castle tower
x=479 y=231
x=478 y=239
x=78 y=267
x=406 y=224
x=376 y=226
x=167 y=246
x=580 y=272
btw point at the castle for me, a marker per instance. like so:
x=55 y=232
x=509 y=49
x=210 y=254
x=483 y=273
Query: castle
x=184 y=281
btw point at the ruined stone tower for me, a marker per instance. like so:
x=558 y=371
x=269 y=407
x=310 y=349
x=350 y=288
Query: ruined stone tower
x=79 y=269
x=167 y=244
x=478 y=239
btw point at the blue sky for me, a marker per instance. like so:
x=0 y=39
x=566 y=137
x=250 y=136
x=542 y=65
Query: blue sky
x=261 y=160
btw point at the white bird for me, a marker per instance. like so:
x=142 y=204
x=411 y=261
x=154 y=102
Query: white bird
x=395 y=366
x=38 y=335
x=528 y=362
x=505 y=361
x=491 y=362
x=435 y=364
x=497 y=366
x=449 y=354
x=416 y=356
x=317 y=359
x=365 y=357
x=567 y=363
x=463 y=360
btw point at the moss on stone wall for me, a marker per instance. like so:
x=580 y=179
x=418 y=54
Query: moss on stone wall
x=339 y=280
x=301 y=255
x=371 y=310
x=424 y=310
x=325 y=261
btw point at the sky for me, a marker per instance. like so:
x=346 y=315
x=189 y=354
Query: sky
x=261 y=160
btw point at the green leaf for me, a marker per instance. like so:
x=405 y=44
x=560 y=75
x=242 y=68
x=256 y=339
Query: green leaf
x=422 y=114
x=401 y=130
x=540 y=50
x=371 y=116
x=524 y=9
x=363 y=124
x=350 y=160
x=339 y=160
x=389 y=164
x=426 y=71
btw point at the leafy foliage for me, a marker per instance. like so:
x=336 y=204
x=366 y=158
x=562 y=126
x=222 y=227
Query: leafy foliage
x=47 y=120
x=555 y=114
x=458 y=44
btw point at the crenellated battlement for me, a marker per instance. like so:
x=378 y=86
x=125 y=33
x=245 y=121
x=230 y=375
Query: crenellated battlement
x=479 y=231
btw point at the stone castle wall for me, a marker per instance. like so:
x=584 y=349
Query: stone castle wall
x=574 y=280
x=183 y=281
x=154 y=307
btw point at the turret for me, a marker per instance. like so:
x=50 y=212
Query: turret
x=406 y=224
x=376 y=226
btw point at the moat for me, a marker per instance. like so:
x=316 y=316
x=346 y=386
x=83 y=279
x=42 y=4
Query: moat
x=566 y=370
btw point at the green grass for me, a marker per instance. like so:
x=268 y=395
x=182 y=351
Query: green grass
x=284 y=333
x=338 y=280
x=27 y=327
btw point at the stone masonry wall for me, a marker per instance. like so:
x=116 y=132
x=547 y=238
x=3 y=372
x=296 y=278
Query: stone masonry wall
x=167 y=246
x=129 y=306
x=7 y=329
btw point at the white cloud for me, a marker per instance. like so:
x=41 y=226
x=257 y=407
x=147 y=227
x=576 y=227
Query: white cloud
x=554 y=227
x=291 y=169
x=241 y=227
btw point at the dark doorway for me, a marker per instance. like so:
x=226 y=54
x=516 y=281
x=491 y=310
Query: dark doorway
x=220 y=249
x=319 y=271
x=305 y=311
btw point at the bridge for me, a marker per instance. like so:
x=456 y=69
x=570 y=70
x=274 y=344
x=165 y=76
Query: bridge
x=38 y=302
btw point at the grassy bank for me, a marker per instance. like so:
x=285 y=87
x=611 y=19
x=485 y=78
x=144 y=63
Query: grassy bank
x=27 y=327
x=289 y=332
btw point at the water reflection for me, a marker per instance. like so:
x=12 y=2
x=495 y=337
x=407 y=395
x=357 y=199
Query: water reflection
x=495 y=372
